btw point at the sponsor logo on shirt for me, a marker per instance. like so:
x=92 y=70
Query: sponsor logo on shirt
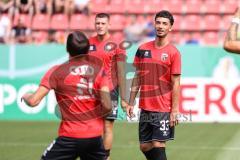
x=144 y=53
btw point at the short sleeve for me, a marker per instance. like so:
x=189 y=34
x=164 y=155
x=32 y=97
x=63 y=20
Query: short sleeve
x=137 y=58
x=49 y=80
x=176 y=63
x=121 y=55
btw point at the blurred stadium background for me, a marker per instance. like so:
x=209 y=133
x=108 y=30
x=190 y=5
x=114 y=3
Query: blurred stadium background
x=32 y=40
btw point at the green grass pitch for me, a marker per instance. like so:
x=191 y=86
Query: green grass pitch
x=27 y=141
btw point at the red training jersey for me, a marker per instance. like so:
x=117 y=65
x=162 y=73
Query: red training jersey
x=155 y=67
x=76 y=84
x=110 y=53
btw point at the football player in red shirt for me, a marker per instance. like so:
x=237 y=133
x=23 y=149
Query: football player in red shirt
x=83 y=99
x=158 y=70
x=104 y=47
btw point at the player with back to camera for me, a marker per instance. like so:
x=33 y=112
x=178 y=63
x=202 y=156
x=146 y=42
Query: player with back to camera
x=83 y=98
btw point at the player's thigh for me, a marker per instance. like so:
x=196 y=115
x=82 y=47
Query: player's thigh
x=144 y=147
x=145 y=128
x=161 y=128
x=94 y=149
x=62 y=148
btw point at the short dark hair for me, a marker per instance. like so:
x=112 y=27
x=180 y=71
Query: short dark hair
x=77 y=44
x=102 y=15
x=165 y=14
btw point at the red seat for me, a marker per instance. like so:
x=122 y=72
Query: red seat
x=153 y=6
x=212 y=22
x=116 y=7
x=177 y=22
x=174 y=6
x=191 y=35
x=40 y=36
x=226 y=21
x=192 y=23
x=212 y=6
x=59 y=22
x=210 y=38
x=118 y=36
x=78 y=21
x=229 y=6
x=134 y=6
x=175 y=37
x=193 y=6
x=91 y=22
x=117 y=22
x=25 y=19
x=41 y=22
x=99 y=7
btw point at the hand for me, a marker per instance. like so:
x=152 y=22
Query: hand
x=174 y=118
x=123 y=105
x=129 y=110
x=25 y=97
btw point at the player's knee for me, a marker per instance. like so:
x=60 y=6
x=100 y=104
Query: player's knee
x=145 y=147
x=159 y=144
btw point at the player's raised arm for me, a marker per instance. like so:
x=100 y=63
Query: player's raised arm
x=33 y=99
x=231 y=42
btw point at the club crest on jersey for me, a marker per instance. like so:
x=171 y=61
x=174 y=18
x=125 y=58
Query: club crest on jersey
x=109 y=46
x=164 y=56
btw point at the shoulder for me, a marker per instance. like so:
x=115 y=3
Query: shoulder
x=172 y=48
x=147 y=45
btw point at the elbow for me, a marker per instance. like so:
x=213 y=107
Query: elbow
x=227 y=47
x=33 y=103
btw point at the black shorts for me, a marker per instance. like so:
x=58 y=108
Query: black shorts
x=155 y=126
x=114 y=98
x=65 y=148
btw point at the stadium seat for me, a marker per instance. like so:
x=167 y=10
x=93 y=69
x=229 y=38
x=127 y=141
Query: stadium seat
x=90 y=23
x=191 y=35
x=175 y=37
x=212 y=6
x=226 y=21
x=25 y=19
x=192 y=23
x=117 y=36
x=210 y=38
x=59 y=22
x=212 y=22
x=153 y=6
x=41 y=22
x=177 y=22
x=174 y=6
x=193 y=6
x=39 y=36
x=134 y=6
x=78 y=21
x=229 y=6
x=117 y=22
x=116 y=7
x=98 y=8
